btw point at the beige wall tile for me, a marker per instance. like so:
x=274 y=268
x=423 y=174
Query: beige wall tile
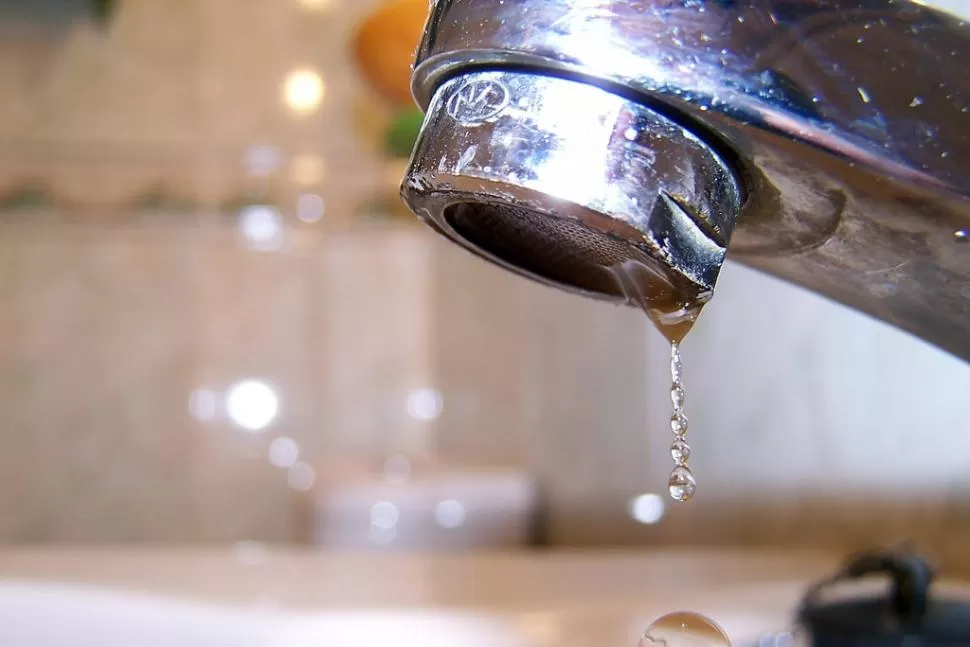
x=95 y=428
x=804 y=415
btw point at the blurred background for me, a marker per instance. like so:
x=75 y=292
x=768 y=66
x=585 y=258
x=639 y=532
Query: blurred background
x=219 y=326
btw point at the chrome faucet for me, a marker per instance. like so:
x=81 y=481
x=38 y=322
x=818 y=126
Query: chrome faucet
x=823 y=141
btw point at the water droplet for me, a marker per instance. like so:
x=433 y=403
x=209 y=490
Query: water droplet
x=678 y=423
x=676 y=365
x=680 y=452
x=630 y=134
x=962 y=235
x=684 y=629
x=681 y=484
x=917 y=101
x=677 y=396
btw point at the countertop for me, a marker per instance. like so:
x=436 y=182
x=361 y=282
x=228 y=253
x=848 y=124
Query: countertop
x=260 y=593
x=308 y=579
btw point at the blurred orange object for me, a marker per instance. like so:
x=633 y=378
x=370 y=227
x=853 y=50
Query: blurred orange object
x=384 y=47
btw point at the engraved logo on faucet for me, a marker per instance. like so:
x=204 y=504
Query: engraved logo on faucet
x=477 y=101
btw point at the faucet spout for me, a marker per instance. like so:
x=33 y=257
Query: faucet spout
x=827 y=143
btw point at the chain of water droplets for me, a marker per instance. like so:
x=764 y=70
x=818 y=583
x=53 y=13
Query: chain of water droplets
x=681 y=484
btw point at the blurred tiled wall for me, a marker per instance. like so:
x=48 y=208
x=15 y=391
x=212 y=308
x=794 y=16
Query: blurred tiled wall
x=134 y=299
x=135 y=295
x=810 y=424
x=119 y=346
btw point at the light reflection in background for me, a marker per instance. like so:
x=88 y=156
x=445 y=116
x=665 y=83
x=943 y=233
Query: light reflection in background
x=317 y=5
x=301 y=477
x=450 y=513
x=310 y=207
x=262 y=227
x=647 y=508
x=425 y=404
x=252 y=404
x=303 y=90
x=283 y=452
x=384 y=514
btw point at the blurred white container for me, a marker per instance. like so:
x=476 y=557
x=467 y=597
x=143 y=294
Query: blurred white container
x=402 y=506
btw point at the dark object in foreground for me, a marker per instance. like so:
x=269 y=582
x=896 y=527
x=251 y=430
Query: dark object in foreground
x=908 y=616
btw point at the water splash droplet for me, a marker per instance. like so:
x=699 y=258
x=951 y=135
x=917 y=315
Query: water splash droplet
x=681 y=484
x=684 y=629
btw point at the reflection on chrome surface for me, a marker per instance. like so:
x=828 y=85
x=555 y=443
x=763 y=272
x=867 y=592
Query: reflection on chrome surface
x=846 y=125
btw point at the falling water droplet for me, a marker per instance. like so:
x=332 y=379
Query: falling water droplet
x=684 y=629
x=681 y=484
x=676 y=367
x=678 y=423
x=674 y=319
x=917 y=101
x=680 y=452
x=677 y=396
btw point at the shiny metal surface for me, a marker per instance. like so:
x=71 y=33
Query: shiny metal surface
x=846 y=121
x=561 y=181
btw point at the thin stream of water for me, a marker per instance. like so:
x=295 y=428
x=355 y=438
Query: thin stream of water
x=674 y=317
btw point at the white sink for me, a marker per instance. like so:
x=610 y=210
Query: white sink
x=175 y=599
x=45 y=615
